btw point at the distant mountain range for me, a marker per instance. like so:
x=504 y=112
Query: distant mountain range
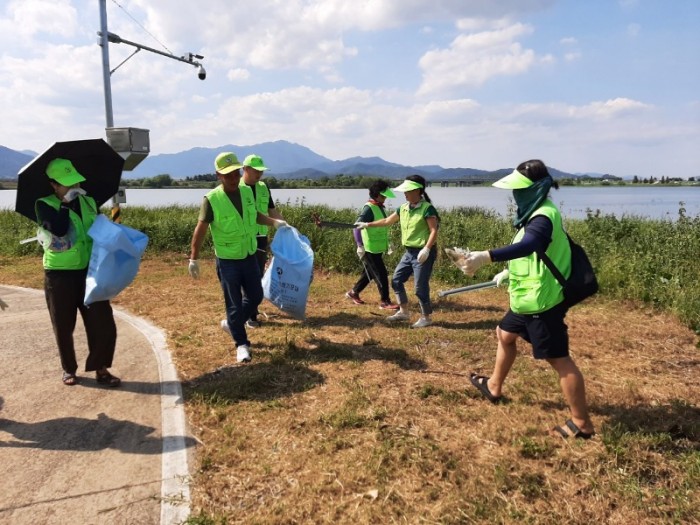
x=286 y=160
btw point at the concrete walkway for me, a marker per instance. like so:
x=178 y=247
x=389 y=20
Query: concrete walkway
x=88 y=454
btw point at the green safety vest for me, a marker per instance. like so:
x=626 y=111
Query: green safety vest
x=532 y=287
x=414 y=227
x=233 y=235
x=376 y=240
x=262 y=202
x=77 y=256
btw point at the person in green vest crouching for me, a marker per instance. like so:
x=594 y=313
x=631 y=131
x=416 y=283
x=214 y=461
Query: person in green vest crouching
x=372 y=244
x=64 y=219
x=536 y=309
x=419 y=231
x=253 y=170
x=230 y=212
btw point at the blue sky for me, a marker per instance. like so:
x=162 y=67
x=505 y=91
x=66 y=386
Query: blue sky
x=605 y=86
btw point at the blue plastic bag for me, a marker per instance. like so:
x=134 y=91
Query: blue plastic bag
x=115 y=258
x=289 y=274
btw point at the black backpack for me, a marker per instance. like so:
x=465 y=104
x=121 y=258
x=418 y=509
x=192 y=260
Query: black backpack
x=582 y=282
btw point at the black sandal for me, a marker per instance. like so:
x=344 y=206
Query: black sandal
x=108 y=379
x=481 y=383
x=570 y=429
x=69 y=379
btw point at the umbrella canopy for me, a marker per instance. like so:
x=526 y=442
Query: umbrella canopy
x=94 y=159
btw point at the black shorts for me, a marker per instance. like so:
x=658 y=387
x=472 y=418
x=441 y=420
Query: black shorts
x=546 y=331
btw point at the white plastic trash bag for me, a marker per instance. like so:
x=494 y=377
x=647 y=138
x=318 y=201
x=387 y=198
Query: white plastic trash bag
x=288 y=276
x=114 y=262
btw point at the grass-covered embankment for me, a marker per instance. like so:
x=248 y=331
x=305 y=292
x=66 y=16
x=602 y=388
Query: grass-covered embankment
x=653 y=261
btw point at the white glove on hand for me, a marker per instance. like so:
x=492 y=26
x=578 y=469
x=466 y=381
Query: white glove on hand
x=360 y=251
x=193 y=268
x=279 y=223
x=474 y=261
x=500 y=277
x=361 y=225
x=3 y=304
x=423 y=255
x=73 y=193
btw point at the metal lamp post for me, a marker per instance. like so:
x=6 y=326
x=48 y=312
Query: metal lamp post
x=123 y=139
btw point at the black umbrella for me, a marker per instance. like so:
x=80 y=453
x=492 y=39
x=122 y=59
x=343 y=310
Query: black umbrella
x=94 y=159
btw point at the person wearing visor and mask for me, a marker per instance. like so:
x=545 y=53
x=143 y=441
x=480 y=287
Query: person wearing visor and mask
x=64 y=218
x=371 y=246
x=230 y=212
x=419 y=230
x=253 y=170
x=536 y=298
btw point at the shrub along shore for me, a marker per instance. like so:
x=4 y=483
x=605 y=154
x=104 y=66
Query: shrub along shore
x=652 y=261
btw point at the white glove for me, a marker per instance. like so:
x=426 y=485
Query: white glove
x=73 y=194
x=474 y=261
x=360 y=251
x=193 y=268
x=279 y=223
x=361 y=225
x=3 y=304
x=501 y=276
x=423 y=255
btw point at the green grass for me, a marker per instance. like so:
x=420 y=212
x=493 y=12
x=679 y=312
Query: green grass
x=653 y=261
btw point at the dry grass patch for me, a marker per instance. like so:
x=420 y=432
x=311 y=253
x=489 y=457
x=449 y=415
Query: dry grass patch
x=344 y=419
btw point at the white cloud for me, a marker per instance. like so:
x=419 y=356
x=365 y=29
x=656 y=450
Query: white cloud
x=472 y=59
x=237 y=74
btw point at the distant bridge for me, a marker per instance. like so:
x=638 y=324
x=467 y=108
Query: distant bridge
x=472 y=181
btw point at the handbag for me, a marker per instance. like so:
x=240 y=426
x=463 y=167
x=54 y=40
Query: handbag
x=582 y=282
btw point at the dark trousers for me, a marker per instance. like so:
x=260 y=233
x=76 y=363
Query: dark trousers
x=240 y=282
x=374 y=269
x=65 y=292
x=261 y=256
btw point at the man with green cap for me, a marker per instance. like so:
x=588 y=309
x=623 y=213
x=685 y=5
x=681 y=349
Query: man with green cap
x=372 y=244
x=253 y=170
x=64 y=218
x=230 y=213
x=536 y=309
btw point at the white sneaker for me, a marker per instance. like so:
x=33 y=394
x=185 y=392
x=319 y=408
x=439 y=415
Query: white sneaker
x=224 y=326
x=422 y=323
x=398 y=316
x=243 y=354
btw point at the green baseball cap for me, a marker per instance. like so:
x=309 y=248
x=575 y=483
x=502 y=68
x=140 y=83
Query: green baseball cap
x=513 y=181
x=226 y=162
x=63 y=172
x=408 y=185
x=255 y=162
x=387 y=193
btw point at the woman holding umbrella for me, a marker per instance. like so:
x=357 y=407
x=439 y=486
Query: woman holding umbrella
x=64 y=217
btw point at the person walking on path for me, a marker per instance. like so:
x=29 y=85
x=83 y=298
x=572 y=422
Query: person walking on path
x=419 y=230
x=253 y=170
x=372 y=245
x=229 y=211
x=64 y=218
x=536 y=309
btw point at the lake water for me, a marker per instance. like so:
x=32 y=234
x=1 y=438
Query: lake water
x=653 y=202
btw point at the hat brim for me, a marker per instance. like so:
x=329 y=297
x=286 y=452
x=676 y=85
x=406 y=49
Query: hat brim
x=408 y=185
x=229 y=169
x=388 y=193
x=258 y=168
x=513 y=181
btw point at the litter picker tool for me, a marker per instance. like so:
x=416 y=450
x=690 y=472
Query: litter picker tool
x=331 y=224
x=478 y=286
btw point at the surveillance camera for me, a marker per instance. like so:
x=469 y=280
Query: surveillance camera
x=202 y=74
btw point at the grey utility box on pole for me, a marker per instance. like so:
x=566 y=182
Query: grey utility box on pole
x=133 y=144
